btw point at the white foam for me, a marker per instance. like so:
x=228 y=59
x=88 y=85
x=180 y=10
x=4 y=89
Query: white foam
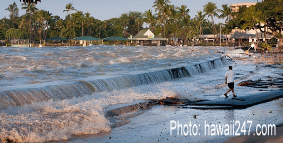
x=59 y=120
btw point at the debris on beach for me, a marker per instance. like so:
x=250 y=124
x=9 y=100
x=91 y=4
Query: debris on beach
x=269 y=82
x=174 y=101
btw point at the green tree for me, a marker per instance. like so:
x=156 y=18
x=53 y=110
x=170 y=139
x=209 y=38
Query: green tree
x=42 y=18
x=31 y=1
x=77 y=21
x=4 y=26
x=87 y=23
x=69 y=8
x=30 y=10
x=200 y=19
x=134 y=23
x=272 y=15
x=14 y=34
x=211 y=10
x=162 y=6
x=251 y=18
x=184 y=22
x=226 y=13
x=150 y=19
x=174 y=18
x=125 y=20
x=14 y=13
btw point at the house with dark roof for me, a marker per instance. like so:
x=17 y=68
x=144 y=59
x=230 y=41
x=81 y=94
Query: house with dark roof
x=146 y=38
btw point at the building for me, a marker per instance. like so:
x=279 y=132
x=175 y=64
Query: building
x=236 y=7
x=146 y=38
x=246 y=35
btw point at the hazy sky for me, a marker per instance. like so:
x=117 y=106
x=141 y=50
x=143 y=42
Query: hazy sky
x=106 y=9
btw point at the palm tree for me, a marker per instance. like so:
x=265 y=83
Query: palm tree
x=199 y=20
x=69 y=9
x=135 y=22
x=30 y=9
x=42 y=17
x=14 y=12
x=163 y=8
x=210 y=9
x=31 y=1
x=124 y=19
x=83 y=21
x=251 y=17
x=149 y=18
x=174 y=17
x=185 y=18
x=183 y=10
x=139 y=20
x=226 y=12
x=88 y=22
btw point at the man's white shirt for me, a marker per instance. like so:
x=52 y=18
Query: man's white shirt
x=230 y=76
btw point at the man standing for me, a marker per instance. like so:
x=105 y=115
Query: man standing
x=229 y=78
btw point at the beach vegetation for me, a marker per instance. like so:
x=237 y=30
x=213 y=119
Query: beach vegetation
x=211 y=10
x=164 y=20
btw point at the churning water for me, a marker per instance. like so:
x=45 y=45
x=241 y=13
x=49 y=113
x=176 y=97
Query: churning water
x=51 y=94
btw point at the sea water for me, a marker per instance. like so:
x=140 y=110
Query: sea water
x=55 y=93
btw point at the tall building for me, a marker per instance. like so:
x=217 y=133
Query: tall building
x=246 y=34
x=236 y=7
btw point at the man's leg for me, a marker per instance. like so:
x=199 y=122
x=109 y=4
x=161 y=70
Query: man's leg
x=234 y=93
x=227 y=92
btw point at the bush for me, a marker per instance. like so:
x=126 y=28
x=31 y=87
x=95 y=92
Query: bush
x=265 y=46
x=273 y=41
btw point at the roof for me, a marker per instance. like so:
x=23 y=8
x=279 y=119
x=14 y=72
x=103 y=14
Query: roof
x=115 y=38
x=86 y=38
x=56 y=39
x=141 y=34
x=242 y=4
x=240 y=35
x=211 y=36
x=146 y=34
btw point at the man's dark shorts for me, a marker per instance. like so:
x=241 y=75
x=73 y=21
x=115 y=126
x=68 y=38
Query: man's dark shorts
x=231 y=85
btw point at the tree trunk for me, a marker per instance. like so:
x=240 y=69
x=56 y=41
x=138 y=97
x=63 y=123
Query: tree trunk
x=164 y=30
x=280 y=44
x=82 y=28
x=30 y=29
x=40 y=34
x=213 y=29
x=69 y=29
x=265 y=29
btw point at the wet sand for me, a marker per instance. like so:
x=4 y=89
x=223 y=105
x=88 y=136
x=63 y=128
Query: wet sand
x=154 y=124
x=271 y=59
x=267 y=139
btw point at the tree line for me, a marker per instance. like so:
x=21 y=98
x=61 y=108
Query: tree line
x=166 y=21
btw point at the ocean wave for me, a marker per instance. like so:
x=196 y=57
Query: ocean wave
x=60 y=120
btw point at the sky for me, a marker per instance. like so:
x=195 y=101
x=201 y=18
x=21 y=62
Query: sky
x=107 y=9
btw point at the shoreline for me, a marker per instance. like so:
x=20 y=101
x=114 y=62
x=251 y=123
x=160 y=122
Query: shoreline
x=153 y=125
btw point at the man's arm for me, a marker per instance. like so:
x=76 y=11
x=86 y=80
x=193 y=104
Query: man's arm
x=225 y=79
